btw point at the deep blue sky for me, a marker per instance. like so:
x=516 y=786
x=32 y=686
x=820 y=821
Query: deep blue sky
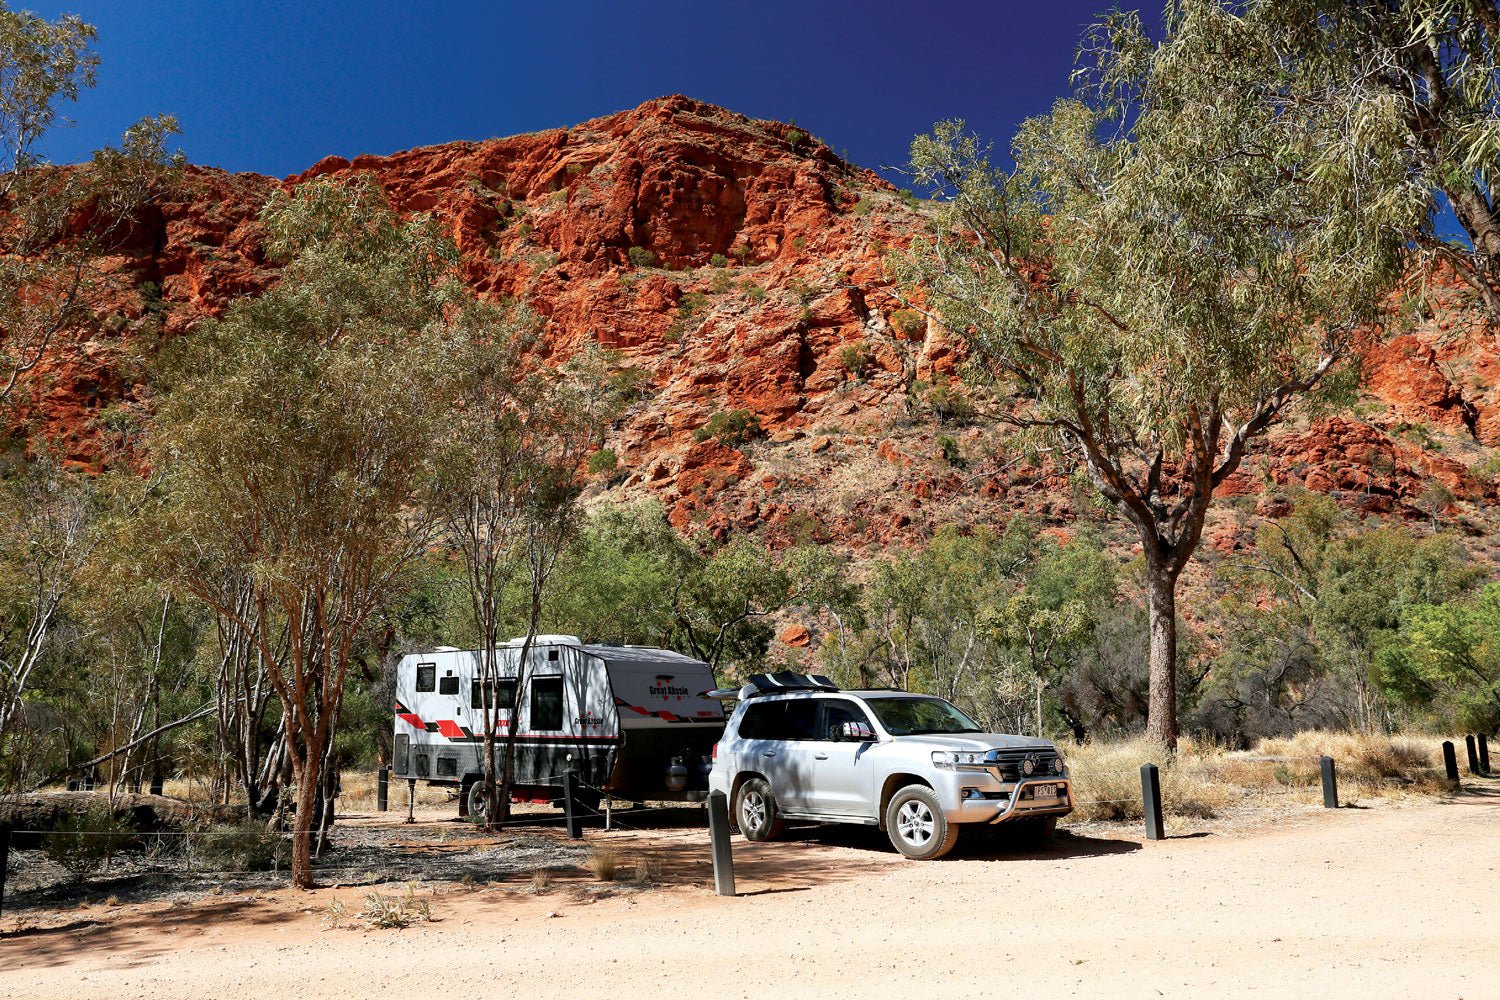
x=274 y=86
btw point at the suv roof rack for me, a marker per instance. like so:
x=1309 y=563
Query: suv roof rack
x=782 y=680
x=788 y=680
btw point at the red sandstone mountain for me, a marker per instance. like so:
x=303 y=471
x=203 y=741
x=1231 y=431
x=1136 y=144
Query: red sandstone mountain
x=797 y=328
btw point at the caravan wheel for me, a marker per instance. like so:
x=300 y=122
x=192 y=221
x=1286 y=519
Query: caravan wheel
x=475 y=802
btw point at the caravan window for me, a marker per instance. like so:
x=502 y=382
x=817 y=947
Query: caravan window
x=448 y=685
x=546 y=704
x=426 y=676
x=505 y=690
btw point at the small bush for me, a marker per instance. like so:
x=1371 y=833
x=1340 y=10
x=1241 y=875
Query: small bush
x=603 y=462
x=732 y=427
x=395 y=912
x=863 y=207
x=718 y=260
x=240 y=847
x=646 y=872
x=909 y=324
x=795 y=138
x=603 y=862
x=720 y=283
x=641 y=257
x=856 y=359
x=950 y=404
x=541 y=881
x=84 y=842
x=949 y=447
x=574 y=169
x=754 y=292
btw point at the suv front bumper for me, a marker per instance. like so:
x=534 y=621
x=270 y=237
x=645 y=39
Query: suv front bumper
x=982 y=801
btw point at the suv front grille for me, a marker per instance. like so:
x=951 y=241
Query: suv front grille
x=1010 y=762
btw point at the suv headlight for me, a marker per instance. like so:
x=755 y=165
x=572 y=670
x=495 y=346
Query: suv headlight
x=949 y=760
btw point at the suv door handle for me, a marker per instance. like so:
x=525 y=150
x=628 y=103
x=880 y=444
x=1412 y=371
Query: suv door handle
x=820 y=756
x=768 y=753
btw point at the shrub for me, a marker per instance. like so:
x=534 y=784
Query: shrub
x=949 y=447
x=720 y=283
x=863 y=207
x=239 y=847
x=754 y=292
x=395 y=911
x=732 y=427
x=909 y=324
x=541 y=881
x=719 y=260
x=603 y=862
x=856 y=359
x=950 y=404
x=83 y=842
x=641 y=257
x=795 y=138
x=603 y=462
x=574 y=169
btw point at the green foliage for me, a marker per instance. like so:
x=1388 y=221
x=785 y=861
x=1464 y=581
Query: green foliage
x=641 y=257
x=1446 y=661
x=631 y=578
x=948 y=445
x=950 y=404
x=795 y=138
x=864 y=206
x=721 y=282
x=603 y=462
x=856 y=359
x=730 y=427
x=754 y=292
x=84 y=842
x=909 y=324
x=718 y=260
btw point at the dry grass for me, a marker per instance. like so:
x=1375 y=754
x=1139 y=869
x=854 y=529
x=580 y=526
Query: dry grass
x=1203 y=780
x=541 y=881
x=604 y=861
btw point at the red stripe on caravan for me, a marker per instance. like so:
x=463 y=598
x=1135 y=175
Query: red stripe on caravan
x=450 y=729
x=412 y=720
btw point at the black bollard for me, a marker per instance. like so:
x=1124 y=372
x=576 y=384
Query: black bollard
x=1484 y=754
x=570 y=805
x=1151 y=801
x=718 y=832
x=383 y=788
x=1473 y=750
x=1450 y=763
x=1330 y=784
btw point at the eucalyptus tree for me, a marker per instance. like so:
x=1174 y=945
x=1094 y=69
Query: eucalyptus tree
x=1419 y=82
x=55 y=223
x=1171 y=266
x=295 y=437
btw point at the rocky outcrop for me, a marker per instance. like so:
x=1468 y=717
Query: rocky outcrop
x=738 y=264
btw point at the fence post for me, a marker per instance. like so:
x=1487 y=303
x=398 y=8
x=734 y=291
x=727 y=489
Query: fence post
x=411 y=800
x=1473 y=754
x=1330 y=784
x=570 y=805
x=1151 y=801
x=1450 y=763
x=718 y=831
x=4 y=863
x=1484 y=754
x=383 y=788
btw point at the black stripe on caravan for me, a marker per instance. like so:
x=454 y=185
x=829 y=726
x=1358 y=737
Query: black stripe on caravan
x=570 y=740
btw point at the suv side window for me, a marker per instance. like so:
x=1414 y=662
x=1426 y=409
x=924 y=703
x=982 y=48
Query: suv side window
x=836 y=712
x=790 y=719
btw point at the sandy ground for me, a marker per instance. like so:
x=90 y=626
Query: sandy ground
x=1394 y=900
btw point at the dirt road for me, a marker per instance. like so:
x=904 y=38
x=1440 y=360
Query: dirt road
x=1390 y=901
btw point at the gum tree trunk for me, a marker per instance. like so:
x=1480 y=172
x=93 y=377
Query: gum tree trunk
x=1161 y=610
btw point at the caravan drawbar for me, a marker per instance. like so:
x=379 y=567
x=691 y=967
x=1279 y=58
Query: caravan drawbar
x=632 y=722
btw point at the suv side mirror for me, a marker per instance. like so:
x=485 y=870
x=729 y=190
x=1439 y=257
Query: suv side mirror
x=858 y=732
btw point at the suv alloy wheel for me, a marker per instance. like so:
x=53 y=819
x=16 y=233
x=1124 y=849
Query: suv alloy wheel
x=915 y=822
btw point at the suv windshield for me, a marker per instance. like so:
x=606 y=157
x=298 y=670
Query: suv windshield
x=917 y=716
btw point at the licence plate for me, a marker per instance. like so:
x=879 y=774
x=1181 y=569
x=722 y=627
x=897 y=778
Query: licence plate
x=1044 y=791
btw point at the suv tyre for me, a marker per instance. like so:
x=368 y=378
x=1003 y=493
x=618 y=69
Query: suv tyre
x=755 y=811
x=915 y=823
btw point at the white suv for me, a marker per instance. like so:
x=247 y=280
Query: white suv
x=798 y=748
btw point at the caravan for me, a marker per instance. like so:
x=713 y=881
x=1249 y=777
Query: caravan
x=631 y=722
